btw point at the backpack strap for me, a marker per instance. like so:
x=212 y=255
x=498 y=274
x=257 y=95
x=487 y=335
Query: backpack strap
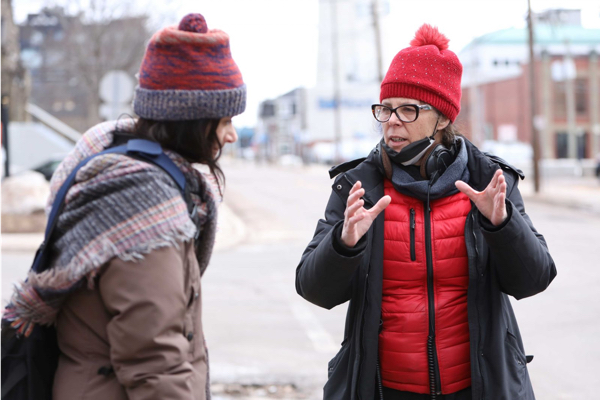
x=143 y=149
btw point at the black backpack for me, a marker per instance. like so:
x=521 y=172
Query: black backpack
x=29 y=363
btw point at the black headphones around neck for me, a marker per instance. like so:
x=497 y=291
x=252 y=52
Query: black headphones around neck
x=437 y=161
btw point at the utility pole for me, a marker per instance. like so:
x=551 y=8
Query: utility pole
x=337 y=118
x=377 y=30
x=569 y=71
x=5 y=114
x=535 y=142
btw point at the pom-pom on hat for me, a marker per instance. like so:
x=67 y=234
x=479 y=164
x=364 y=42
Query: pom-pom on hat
x=188 y=73
x=426 y=71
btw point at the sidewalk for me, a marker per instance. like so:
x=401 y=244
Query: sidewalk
x=230 y=231
x=580 y=193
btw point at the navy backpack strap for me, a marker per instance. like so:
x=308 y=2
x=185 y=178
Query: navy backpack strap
x=139 y=148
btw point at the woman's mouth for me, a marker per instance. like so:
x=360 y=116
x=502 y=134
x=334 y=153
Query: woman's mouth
x=397 y=140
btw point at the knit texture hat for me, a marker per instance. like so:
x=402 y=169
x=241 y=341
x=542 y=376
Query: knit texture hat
x=187 y=73
x=426 y=71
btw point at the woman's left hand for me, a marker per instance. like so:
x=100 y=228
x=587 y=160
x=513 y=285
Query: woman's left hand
x=490 y=202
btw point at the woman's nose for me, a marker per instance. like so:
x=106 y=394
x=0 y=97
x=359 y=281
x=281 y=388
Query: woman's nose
x=232 y=137
x=394 y=119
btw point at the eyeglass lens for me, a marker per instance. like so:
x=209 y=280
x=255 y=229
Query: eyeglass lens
x=407 y=113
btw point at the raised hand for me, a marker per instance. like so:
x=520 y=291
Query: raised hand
x=357 y=219
x=490 y=202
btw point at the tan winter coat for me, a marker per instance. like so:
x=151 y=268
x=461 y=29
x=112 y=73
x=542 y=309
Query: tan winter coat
x=136 y=335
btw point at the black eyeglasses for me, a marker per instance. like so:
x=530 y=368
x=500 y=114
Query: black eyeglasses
x=405 y=112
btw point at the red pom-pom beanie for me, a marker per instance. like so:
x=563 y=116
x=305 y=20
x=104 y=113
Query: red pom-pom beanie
x=188 y=73
x=426 y=71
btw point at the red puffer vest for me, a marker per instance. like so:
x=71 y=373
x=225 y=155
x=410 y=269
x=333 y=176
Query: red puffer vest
x=405 y=305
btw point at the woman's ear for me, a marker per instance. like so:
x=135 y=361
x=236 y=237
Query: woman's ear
x=443 y=122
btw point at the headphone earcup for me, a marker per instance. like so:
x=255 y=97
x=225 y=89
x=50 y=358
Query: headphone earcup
x=436 y=160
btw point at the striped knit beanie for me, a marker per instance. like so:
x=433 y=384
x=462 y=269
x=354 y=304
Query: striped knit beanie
x=188 y=73
x=426 y=71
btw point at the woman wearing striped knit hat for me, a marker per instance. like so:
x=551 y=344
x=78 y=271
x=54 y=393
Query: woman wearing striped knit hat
x=124 y=288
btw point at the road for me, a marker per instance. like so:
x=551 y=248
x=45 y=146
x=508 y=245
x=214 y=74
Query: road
x=266 y=341
x=280 y=207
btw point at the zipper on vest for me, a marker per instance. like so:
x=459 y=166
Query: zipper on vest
x=413 y=256
x=434 y=369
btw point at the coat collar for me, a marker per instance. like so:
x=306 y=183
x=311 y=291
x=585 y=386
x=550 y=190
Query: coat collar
x=370 y=172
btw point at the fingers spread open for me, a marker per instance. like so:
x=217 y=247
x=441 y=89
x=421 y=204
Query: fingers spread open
x=466 y=189
x=351 y=210
x=355 y=187
x=355 y=196
x=359 y=216
x=380 y=206
x=494 y=182
x=501 y=180
x=500 y=199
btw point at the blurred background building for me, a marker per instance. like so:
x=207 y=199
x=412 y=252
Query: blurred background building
x=53 y=67
x=332 y=120
x=496 y=101
x=66 y=70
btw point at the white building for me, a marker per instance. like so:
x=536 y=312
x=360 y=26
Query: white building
x=304 y=121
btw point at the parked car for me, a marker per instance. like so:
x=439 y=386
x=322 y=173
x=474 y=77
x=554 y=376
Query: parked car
x=47 y=169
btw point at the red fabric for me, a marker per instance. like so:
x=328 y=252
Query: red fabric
x=189 y=57
x=405 y=314
x=426 y=71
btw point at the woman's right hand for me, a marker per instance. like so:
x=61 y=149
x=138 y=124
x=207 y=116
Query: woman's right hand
x=357 y=219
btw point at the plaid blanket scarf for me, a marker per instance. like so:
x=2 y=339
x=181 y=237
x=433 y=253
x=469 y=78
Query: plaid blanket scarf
x=118 y=207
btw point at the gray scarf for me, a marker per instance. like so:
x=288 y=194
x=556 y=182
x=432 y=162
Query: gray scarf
x=404 y=183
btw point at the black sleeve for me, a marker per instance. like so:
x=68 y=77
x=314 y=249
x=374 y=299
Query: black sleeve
x=324 y=275
x=487 y=224
x=518 y=253
x=341 y=248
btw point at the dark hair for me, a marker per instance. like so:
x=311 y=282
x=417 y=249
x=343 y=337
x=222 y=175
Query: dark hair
x=449 y=134
x=194 y=140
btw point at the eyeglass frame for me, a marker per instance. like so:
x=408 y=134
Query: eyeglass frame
x=417 y=107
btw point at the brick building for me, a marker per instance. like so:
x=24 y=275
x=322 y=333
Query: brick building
x=496 y=102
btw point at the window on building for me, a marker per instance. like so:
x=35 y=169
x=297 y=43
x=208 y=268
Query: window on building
x=268 y=110
x=582 y=146
x=37 y=38
x=562 y=145
x=560 y=100
x=581 y=96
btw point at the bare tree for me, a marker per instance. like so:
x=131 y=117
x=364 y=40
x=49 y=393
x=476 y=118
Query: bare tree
x=96 y=36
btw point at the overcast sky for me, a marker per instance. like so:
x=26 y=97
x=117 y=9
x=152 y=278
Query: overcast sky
x=274 y=42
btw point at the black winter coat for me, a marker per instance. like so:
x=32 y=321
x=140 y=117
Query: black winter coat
x=513 y=260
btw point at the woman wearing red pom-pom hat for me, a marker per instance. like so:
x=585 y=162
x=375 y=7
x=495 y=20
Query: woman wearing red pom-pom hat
x=427 y=279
